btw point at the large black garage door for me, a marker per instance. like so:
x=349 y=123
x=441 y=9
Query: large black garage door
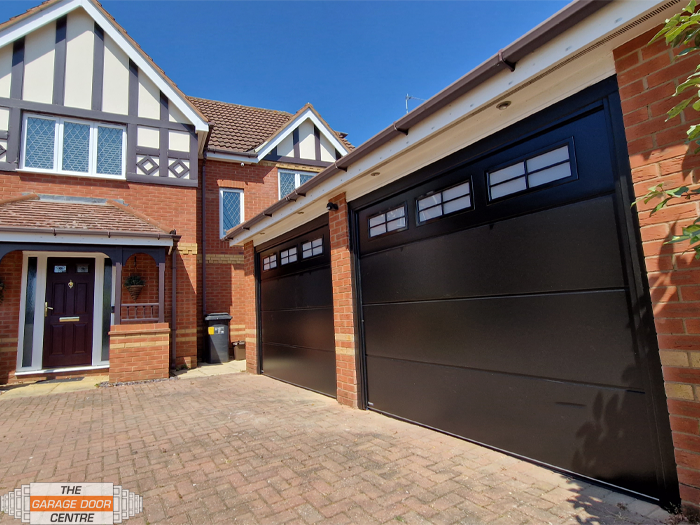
x=296 y=309
x=502 y=300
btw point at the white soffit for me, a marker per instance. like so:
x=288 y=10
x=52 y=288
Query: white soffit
x=59 y=9
x=564 y=66
x=265 y=149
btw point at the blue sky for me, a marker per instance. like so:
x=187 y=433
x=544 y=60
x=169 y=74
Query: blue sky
x=354 y=61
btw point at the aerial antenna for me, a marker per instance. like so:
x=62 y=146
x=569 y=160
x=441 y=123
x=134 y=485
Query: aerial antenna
x=409 y=97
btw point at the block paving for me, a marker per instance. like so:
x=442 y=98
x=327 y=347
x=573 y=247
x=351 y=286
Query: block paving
x=240 y=448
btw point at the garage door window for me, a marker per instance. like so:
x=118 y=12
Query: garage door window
x=445 y=202
x=392 y=220
x=288 y=256
x=312 y=248
x=270 y=262
x=536 y=171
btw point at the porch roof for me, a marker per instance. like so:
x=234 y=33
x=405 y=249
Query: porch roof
x=55 y=214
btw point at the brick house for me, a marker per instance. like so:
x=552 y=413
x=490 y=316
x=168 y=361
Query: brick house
x=477 y=267
x=104 y=164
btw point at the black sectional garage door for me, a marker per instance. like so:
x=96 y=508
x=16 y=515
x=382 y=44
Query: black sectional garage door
x=501 y=300
x=296 y=309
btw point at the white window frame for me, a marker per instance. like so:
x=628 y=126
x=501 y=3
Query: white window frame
x=222 y=232
x=297 y=179
x=58 y=147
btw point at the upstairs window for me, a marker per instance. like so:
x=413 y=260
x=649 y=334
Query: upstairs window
x=73 y=147
x=230 y=209
x=530 y=173
x=291 y=180
x=444 y=202
x=392 y=220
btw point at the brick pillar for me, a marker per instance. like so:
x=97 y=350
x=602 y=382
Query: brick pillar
x=343 y=303
x=139 y=352
x=250 y=307
x=647 y=78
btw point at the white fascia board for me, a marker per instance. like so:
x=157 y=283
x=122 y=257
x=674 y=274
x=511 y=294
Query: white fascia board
x=67 y=238
x=472 y=116
x=143 y=65
x=33 y=22
x=264 y=149
x=50 y=14
x=232 y=157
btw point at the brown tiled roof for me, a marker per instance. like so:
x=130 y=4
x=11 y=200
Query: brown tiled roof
x=243 y=128
x=30 y=212
x=239 y=128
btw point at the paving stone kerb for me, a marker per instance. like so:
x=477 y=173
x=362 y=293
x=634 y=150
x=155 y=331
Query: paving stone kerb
x=240 y=448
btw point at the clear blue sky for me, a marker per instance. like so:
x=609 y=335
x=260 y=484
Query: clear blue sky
x=354 y=61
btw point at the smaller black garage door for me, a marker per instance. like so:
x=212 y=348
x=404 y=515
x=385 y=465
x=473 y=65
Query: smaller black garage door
x=296 y=308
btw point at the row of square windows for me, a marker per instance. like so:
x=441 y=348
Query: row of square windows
x=516 y=178
x=308 y=249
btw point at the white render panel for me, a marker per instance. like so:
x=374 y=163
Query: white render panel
x=307 y=148
x=175 y=115
x=327 y=150
x=115 y=86
x=3 y=148
x=80 y=51
x=179 y=141
x=39 y=51
x=148 y=137
x=286 y=147
x=4 y=119
x=149 y=98
x=5 y=70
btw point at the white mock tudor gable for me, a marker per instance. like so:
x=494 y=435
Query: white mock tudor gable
x=53 y=12
x=309 y=114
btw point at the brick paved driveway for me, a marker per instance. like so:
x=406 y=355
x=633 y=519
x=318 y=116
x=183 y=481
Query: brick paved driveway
x=249 y=449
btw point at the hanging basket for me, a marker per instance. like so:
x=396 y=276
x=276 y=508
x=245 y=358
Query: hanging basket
x=135 y=290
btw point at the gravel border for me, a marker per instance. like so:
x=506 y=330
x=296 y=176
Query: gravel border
x=107 y=384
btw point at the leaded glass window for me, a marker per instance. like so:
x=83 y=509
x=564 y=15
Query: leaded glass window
x=231 y=209
x=76 y=147
x=291 y=180
x=73 y=147
x=40 y=143
x=109 y=150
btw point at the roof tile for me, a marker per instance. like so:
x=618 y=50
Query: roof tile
x=34 y=213
x=243 y=128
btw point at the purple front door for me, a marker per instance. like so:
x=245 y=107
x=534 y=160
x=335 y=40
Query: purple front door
x=70 y=288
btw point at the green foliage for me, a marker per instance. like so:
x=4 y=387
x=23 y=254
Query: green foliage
x=134 y=280
x=681 y=30
x=690 y=233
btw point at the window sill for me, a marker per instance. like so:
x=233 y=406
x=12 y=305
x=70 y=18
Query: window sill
x=70 y=174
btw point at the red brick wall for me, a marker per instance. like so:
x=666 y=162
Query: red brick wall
x=172 y=207
x=145 y=266
x=225 y=267
x=647 y=76
x=250 y=309
x=11 y=276
x=139 y=352
x=343 y=304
